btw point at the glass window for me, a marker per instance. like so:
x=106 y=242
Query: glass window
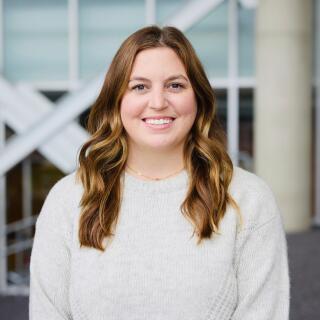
x=210 y=39
x=246 y=41
x=246 y=113
x=166 y=9
x=221 y=103
x=103 y=26
x=36 y=40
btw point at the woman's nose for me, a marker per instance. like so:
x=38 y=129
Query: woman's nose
x=158 y=99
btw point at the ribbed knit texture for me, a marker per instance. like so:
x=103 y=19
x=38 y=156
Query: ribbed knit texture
x=153 y=268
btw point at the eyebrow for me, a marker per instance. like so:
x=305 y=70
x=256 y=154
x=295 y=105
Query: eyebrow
x=174 y=77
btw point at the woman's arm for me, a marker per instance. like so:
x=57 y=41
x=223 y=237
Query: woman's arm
x=50 y=259
x=262 y=272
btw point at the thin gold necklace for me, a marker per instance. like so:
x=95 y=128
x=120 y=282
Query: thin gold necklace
x=151 y=178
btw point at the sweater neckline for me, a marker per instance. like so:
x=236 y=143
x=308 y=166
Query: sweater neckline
x=136 y=185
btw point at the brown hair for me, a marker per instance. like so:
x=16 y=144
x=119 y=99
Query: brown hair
x=103 y=157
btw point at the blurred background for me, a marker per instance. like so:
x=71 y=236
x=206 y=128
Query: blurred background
x=262 y=58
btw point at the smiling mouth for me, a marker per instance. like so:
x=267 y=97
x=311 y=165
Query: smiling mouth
x=158 y=123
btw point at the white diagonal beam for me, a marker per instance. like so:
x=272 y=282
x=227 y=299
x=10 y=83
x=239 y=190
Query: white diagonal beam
x=61 y=149
x=249 y=4
x=191 y=13
x=67 y=109
x=22 y=107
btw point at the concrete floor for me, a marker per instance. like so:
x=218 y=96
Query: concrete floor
x=304 y=262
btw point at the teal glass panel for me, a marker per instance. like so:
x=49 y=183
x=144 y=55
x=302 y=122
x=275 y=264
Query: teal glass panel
x=166 y=9
x=246 y=41
x=210 y=39
x=35 y=40
x=103 y=27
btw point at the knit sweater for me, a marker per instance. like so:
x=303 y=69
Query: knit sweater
x=153 y=268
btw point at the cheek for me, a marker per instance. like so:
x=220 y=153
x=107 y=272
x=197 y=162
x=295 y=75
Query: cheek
x=187 y=107
x=129 y=108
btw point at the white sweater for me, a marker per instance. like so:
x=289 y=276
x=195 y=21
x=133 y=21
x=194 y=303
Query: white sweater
x=153 y=268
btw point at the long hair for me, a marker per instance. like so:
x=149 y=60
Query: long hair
x=103 y=157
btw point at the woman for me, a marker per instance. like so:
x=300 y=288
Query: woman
x=157 y=223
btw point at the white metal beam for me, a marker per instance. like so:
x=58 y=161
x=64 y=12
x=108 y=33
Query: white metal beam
x=242 y=83
x=150 y=11
x=22 y=107
x=191 y=13
x=67 y=109
x=233 y=89
x=14 y=290
x=51 y=85
x=19 y=225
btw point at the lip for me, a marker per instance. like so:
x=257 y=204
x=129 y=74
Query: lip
x=158 y=117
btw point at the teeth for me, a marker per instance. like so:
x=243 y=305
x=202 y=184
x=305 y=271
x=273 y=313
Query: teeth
x=158 y=121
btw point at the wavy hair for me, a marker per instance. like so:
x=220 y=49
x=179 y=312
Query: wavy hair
x=103 y=157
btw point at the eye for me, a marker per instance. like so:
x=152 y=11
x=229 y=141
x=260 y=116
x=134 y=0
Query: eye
x=176 y=86
x=138 y=87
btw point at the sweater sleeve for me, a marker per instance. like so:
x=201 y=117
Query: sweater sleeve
x=262 y=273
x=50 y=260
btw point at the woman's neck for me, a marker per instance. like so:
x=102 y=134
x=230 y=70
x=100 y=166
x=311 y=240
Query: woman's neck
x=153 y=164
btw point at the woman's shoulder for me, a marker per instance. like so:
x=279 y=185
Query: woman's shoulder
x=62 y=199
x=244 y=180
x=255 y=198
x=66 y=187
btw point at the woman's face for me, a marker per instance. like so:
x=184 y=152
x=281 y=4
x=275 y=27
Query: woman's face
x=159 y=107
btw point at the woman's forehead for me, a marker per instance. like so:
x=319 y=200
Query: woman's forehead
x=157 y=61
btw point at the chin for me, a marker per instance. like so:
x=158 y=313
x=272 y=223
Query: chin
x=163 y=147
x=160 y=147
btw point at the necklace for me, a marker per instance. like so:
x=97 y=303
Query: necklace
x=151 y=178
